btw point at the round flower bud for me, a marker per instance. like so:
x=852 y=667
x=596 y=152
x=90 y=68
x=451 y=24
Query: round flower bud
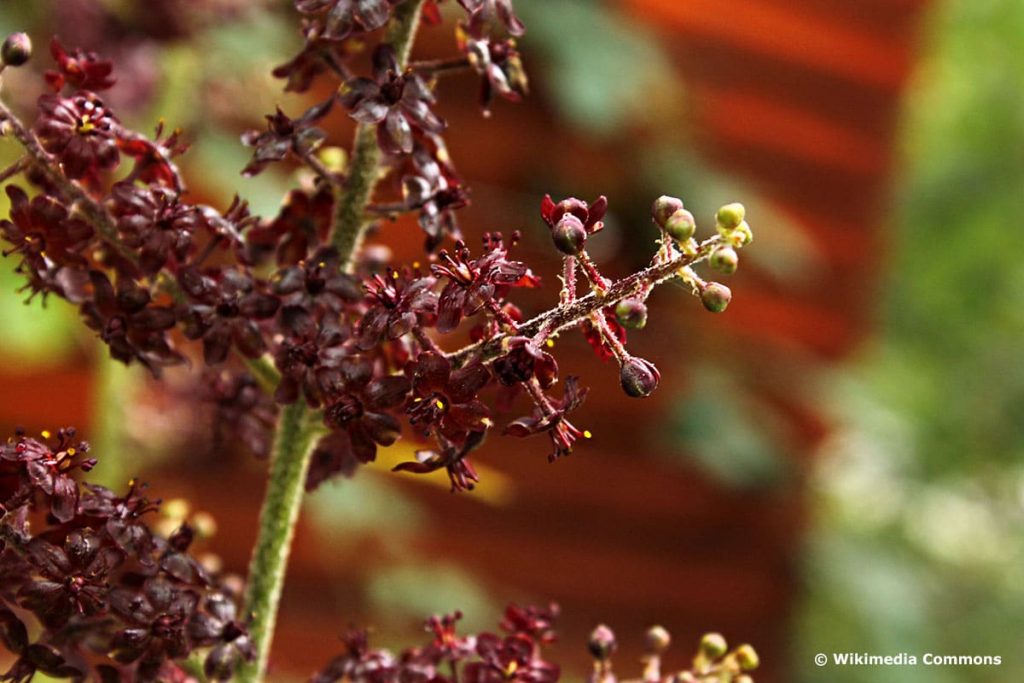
x=664 y=206
x=724 y=260
x=569 y=235
x=713 y=645
x=746 y=657
x=741 y=236
x=638 y=377
x=17 y=49
x=680 y=226
x=657 y=639
x=716 y=297
x=730 y=215
x=602 y=643
x=631 y=313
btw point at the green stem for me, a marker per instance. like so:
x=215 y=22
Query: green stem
x=298 y=427
x=349 y=213
x=292 y=450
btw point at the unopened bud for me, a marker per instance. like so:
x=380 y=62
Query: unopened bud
x=631 y=313
x=746 y=657
x=657 y=639
x=664 y=206
x=602 y=643
x=716 y=297
x=713 y=645
x=569 y=235
x=724 y=260
x=741 y=236
x=16 y=50
x=638 y=377
x=681 y=225
x=730 y=215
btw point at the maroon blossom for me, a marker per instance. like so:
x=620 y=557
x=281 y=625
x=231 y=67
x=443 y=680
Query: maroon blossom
x=444 y=400
x=80 y=131
x=50 y=243
x=550 y=418
x=226 y=306
x=286 y=136
x=396 y=102
x=341 y=17
x=154 y=221
x=475 y=284
x=78 y=68
x=400 y=302
x=484 y=12
x=303 y=223
x=454 y=459
x=130 y=323
x=513 y=658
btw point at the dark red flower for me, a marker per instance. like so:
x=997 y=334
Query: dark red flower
x=551 y=419
x=80 y=131
x=535 y=622
x=129 y=323
x=446 y=401
x=452 y=458
x=484 y=12
x=308 y=357
x=227 y=305
x=499 y=65
x=286 y=136
x=342 y=17
x=50 y=243
x=400 y=302
x=158 y=618
x=302 y=224
x=72 y=580
x=512 y=658
x=154 y=221
x=478 y=283
x=435 y=190
x=83 y=70
x=317 y=282
x=396 y=101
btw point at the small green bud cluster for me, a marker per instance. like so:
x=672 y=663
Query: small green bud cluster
x=679 y=225
x=713 y=663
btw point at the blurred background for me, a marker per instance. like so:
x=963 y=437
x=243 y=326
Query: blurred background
x=836 y=464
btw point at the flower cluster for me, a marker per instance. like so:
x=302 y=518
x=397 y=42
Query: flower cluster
x=293 y=310
x=114 y=600
x=713 y=663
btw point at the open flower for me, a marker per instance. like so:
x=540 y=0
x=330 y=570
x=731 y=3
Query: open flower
x=395 y=101
x=80 y=131
x=342 y=17
x=286 y=136
x=81 y=69
x=551 y=419
x=446 y=400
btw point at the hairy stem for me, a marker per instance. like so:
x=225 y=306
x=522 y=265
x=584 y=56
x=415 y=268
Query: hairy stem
x=572 y=313
x=292 y=450
x=349 y=213
x=298 y=428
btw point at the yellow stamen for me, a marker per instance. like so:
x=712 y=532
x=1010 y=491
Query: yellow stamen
x=550 y=343
x=587 y=434
x=439 y=404
x=71 y=451
x=45 y=433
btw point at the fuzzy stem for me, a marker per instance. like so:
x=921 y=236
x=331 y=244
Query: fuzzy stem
x=298 y=427
x=349 y=220
x=571 y=314
x=292 y=450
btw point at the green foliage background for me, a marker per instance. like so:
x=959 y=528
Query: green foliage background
x=918 y=545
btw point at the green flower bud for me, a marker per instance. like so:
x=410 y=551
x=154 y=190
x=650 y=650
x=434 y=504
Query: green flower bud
x=631 y=313
x=741 y=236
x=602 y=643
x=725 y=260
x=716 y=297
x=569 y=235
x=664 y=206
x=657 y=640
x=730 y=215
x=713 y=645
x=680 y=226
x=746 y=657
x=16 y=50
